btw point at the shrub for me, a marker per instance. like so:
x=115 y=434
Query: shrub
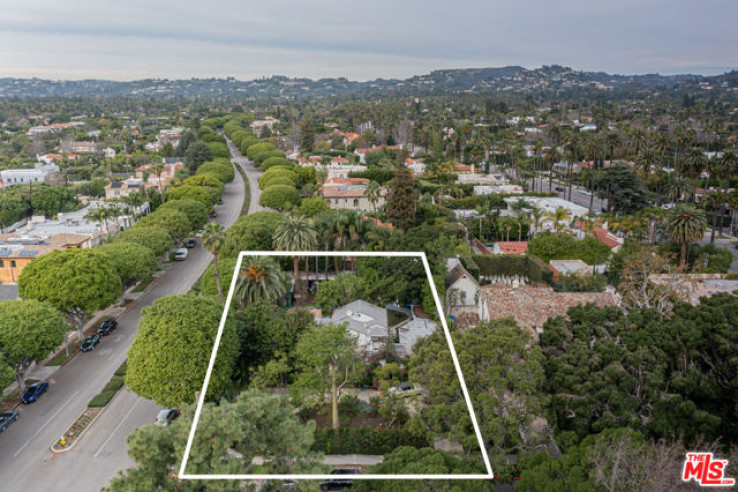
x=251 y=232
x=218 y=149
x=196 y=212
x=274 y=161
x=204 y=179
x=223 y=171
x=260 y=157
x=279 y=196
x=258 y=148
x=176 y=223
x=353 y=440
x=158 y=240
x=267 y=179
x=202 y=194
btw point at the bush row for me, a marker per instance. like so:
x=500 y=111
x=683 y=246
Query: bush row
x=365 y=441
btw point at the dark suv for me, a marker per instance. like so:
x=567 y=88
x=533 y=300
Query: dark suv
x=342 y=480
x=89 y=343
x=106 y=327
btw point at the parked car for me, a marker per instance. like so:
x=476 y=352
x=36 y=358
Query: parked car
x=181 y=254
x=89 y=343
x=340 y=483
x=220 y=202
x=165 y=417
x=106 y=327
x=405 y=389
x=190 y=243
x=34 y=391
x=559 y=188
x=7 y=418
x=213 y=213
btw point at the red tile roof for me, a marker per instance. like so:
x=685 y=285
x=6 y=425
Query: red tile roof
x=513 y=247
x=345 y=181
x=605 y=236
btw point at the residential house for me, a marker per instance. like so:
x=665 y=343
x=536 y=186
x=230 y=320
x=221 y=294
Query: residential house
x=416 y=166
x=17 y=251
x=122 y=189
x=569 y=267
x=38 y=174
x=532 y=306
x=372 y=325
x=348 y=193
x=363 y=151
x=548 y=204
x=462 y=291
x=606 y=237
x=508 y=189
x=336 y=170
x=510 y=248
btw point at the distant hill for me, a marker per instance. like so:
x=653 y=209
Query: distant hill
x=483 y=80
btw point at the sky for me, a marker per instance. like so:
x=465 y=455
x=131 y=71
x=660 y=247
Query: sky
x=134 y=39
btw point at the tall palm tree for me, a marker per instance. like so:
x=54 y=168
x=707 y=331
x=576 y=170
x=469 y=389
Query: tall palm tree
x=695 y=161
x=212 y=240
x=557 y=217
x=686 y=224
x=260 y=279
x=295 y=234
x=536 y=214
x=728 y=167
x=662 y=141
x=373 y=192
x=134 y=200
x=716 y=199
x=158 y=168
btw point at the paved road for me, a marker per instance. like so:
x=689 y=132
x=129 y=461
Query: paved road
x=576 y=194
x=252 y=173
x=27 y=464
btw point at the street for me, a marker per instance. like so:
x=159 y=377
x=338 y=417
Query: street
x=252 y=173
x=576 y=194
x=26 y=462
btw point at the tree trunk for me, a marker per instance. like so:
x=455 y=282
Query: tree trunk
x=683 y=256
x=334 y=403
x=20 y=375
x=217 y=280
x=296 y=263
x=715 y=210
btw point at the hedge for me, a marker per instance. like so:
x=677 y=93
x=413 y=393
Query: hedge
x=266 y=179
x=223 y=171
x=353 y=440
x=529 y=266
x=275 y=161
x=108 y=392
x=278 y=196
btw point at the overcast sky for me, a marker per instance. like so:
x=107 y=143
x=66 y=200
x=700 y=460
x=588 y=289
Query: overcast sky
x=133 y=39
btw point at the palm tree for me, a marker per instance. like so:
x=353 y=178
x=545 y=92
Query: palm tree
x=695 y=162
x=158 y=168
x=557 y=217
x=521 y=218
x=536 y=214
x=260 y=280
x=373 y=192
x=134 y=200
x=99 y=215
x=728 y=166
x=662 y=141
x=295 y=234
x=212 y=240
x=686 y=224
x=678 y=188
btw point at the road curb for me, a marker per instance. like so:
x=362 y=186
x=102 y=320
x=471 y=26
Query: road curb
x=84 y=431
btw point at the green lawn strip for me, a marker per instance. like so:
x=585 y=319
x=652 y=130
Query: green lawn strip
x=246 y=191
x=116 y=383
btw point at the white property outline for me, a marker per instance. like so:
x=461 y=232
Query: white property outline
x=183 y=476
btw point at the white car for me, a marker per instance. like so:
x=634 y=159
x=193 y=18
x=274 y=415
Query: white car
x=181 y=254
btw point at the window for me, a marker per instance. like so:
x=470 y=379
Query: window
x=463 y=295
x=356 y=202
x=2 y=264
x=12 y=263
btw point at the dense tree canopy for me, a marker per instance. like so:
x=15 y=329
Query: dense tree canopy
x=196 y=211
x=29 y=331
x=170 y=354
x=157 y=240
x=77 y=282
x=132 y=261
x=222 y=169
x=279 y=196
x=176 y=223
x=202 y=194
x=251 y=233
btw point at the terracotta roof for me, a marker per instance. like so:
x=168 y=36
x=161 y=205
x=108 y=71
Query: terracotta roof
x=379 y=222
x=532 y=306
x=462 y=168
x=345 y=181
x=513 y=247
x=605 y=236
x=338 y=160
x=342 y=192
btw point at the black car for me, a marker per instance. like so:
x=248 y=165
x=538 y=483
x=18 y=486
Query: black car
x=89 y=343
x=559 y=188
x=220 y=202
x=106 y=327
x=190 y=243
x=340 y=483
x=7 y=418
x=213 y=213
x=165 y=416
